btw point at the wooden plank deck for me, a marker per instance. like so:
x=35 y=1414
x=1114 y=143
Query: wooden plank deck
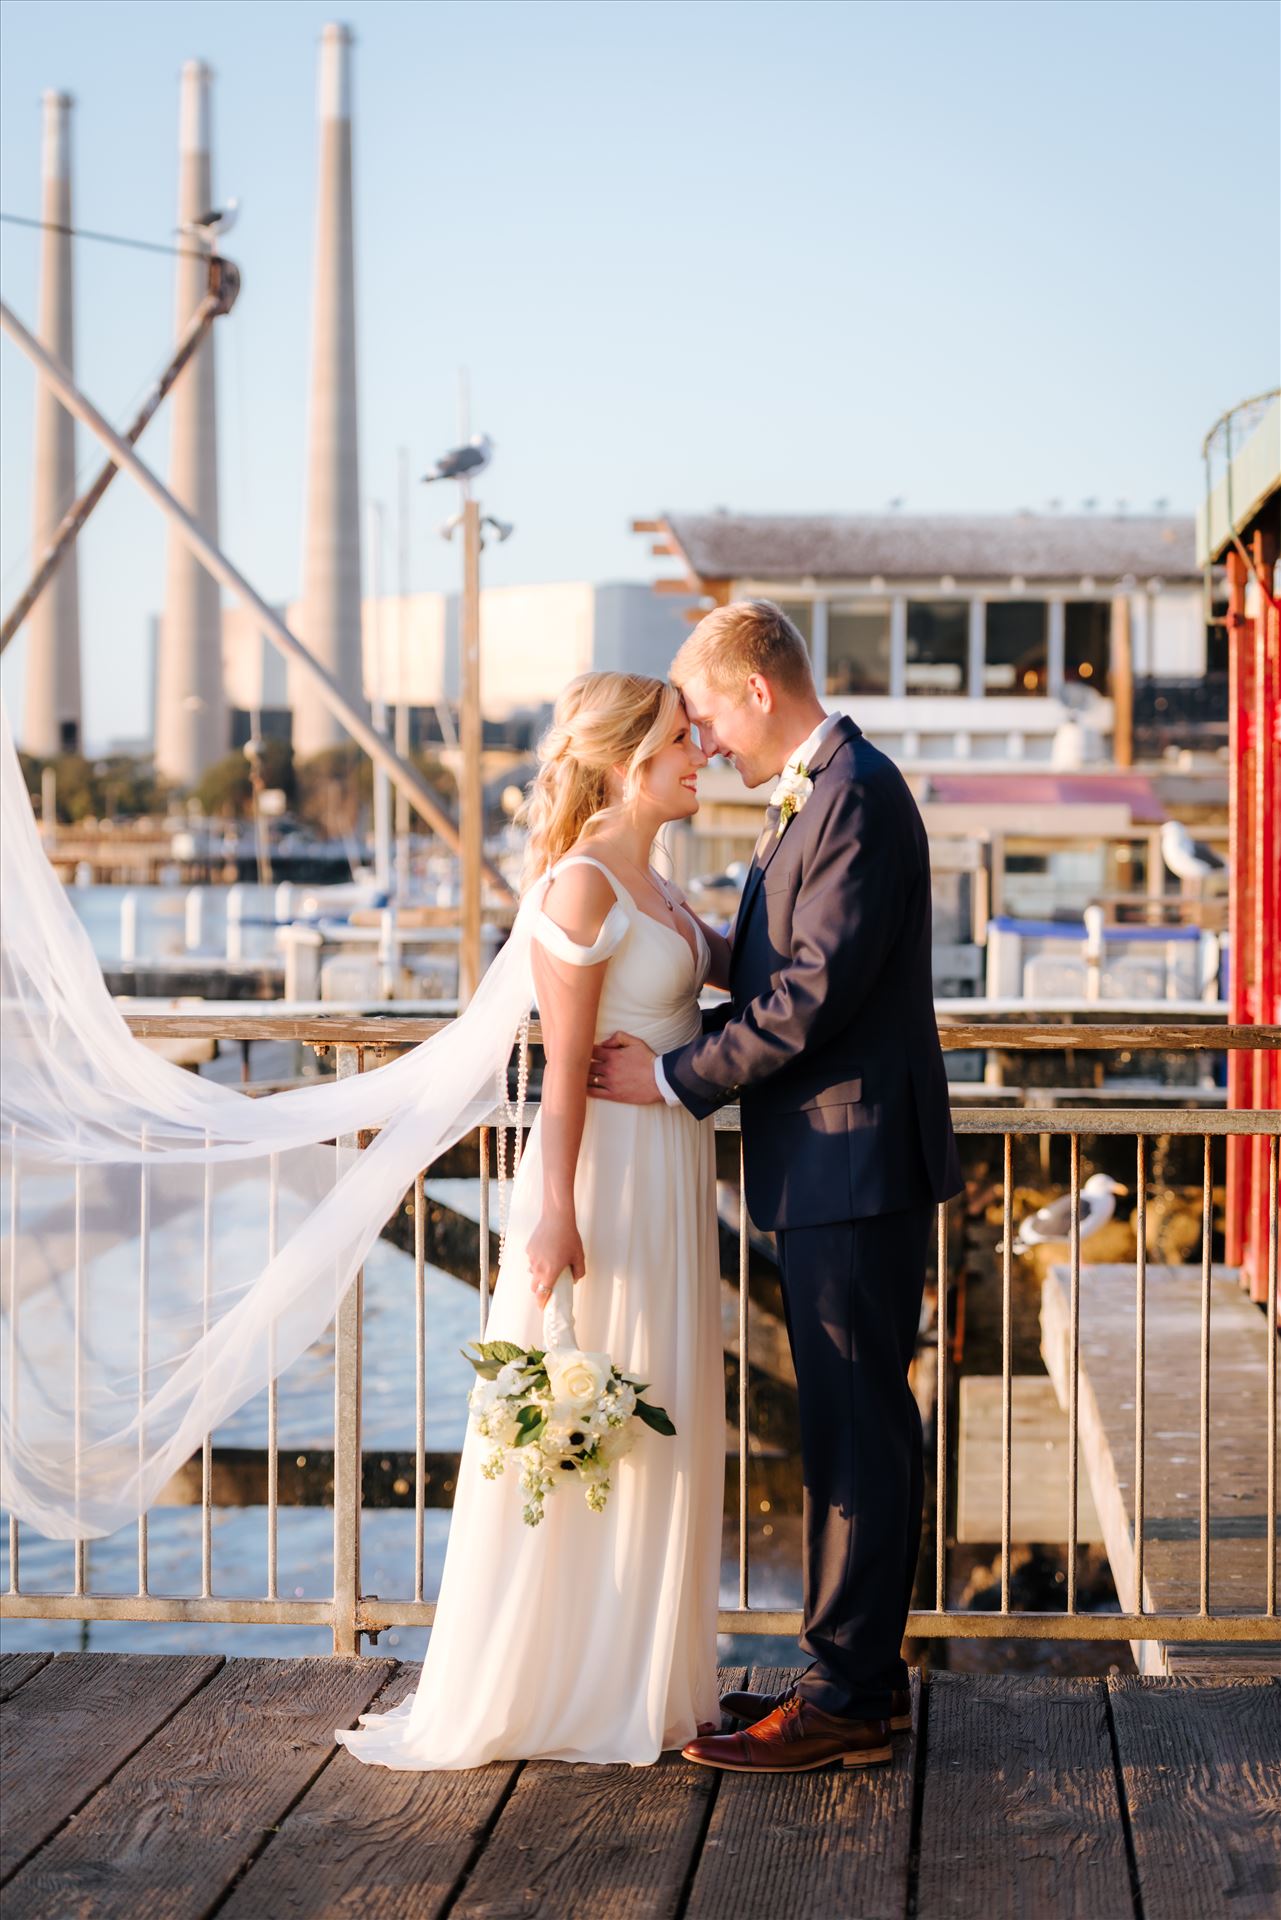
x=1238 y=1425
x=1039 y=1446
x=155 y=1787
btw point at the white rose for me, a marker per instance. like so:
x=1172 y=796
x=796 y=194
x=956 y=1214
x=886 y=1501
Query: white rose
x=579 y=1378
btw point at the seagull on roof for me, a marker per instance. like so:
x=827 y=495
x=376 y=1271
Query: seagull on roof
x=1187 y=858
x=1054 y=1223
x=463 y=463
x=212 y=227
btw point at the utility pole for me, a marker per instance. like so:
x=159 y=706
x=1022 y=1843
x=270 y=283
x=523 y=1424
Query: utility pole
x=402 y=671
x=378 y=714
x=471 y=790
x=463 y=464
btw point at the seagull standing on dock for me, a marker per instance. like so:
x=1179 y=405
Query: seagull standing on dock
x=1187 y=859
x=1054 y=1223
x=212 y=227
x=463 y=463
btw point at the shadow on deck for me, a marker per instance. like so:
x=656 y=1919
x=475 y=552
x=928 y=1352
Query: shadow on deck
x=187 y=1786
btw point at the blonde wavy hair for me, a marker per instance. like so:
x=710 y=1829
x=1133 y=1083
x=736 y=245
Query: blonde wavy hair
x=600 y=721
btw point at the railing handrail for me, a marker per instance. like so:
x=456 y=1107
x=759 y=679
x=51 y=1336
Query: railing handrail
x=350 y=1612
x=374 y=1031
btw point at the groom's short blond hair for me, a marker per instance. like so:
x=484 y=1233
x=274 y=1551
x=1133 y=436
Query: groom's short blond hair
x=745 y=637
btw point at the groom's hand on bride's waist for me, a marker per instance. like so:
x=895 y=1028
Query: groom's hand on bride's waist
x=622 y=1069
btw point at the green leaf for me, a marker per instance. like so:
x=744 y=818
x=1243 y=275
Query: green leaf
x=500 y=1350
x=655 y=1417
x=531 y=1424
x=487 y=1369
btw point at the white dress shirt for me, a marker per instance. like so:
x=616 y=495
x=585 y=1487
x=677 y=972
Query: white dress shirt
x=804 y=753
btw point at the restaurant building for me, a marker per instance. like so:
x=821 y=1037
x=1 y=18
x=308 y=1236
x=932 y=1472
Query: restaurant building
x=1008 y=639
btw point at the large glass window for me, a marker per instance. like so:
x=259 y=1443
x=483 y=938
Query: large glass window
x=1087 y=650
x=858 y=647
x=937 y=645
x=1015 y=658
x=801 y=615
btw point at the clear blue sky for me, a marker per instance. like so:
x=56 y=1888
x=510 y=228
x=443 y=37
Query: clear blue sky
x=767 y=256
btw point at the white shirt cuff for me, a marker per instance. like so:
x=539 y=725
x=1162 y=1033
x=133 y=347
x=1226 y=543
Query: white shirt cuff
x=672 y=1099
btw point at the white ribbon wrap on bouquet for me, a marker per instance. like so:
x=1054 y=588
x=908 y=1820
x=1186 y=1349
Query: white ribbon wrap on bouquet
x=558 y=1315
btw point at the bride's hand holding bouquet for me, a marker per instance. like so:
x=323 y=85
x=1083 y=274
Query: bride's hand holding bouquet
x=554 y=1246
x=557 y=1410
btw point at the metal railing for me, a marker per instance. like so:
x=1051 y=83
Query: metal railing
x=350 y=1612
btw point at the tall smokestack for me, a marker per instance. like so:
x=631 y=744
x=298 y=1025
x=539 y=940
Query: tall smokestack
x=53 y=719
x=191 y=713
x=330 y=616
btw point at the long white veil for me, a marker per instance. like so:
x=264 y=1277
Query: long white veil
x=143 y=1302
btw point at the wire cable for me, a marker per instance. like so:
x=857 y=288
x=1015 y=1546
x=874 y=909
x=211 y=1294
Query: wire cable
x=110 y=239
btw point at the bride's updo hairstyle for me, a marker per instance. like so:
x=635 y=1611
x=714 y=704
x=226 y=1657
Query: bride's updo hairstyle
x=601 y=721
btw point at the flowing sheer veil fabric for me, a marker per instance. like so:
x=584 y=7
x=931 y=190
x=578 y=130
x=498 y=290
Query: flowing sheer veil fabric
x=172 y=1244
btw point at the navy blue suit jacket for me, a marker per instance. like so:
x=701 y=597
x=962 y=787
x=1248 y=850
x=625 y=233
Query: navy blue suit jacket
x=829 y=1041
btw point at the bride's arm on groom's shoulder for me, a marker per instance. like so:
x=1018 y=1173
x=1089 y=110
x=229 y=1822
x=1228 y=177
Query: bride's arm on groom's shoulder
x=568 y=990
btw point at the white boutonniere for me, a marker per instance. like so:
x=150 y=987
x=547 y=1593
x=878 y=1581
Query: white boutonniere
x=789 y=796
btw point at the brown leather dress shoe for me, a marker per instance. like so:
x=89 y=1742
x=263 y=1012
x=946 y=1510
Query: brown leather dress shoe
x=795 y=1738
x=754 y=1706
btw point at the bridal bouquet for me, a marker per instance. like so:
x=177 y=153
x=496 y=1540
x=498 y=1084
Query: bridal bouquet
x=556 y=1411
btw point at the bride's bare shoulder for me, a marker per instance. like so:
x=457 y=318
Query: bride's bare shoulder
x=579 y=899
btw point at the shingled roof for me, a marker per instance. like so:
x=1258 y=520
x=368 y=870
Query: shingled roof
x=900 y=546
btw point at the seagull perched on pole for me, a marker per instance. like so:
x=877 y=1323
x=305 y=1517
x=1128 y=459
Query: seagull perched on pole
x=1187 y=858
x=212 y=227
x=463 y=463
x=1054 y=1223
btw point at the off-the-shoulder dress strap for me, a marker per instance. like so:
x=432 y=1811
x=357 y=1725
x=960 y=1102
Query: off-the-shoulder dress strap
x=612 y=928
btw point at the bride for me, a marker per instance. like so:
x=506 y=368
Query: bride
x=592 y=1637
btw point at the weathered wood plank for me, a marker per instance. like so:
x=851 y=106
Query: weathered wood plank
x=72 y=1726
x=330 y=1029
x=1222 y=1659
x=389 y=1844
x=180 y=1820
x=1201 y=1767
x=577 y=1842
x=834 y=1842
x=1038 y=1463
x=17 y=1668
x=1238 y=1415
x=1020 y=1814
x=374 y=1842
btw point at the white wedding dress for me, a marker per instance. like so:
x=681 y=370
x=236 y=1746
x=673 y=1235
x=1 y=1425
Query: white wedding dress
x=592 y=1637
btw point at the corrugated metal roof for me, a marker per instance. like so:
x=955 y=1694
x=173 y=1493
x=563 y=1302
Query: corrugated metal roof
x=900 y=546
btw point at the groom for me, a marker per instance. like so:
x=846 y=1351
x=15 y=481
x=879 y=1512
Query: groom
x=830 y=1046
